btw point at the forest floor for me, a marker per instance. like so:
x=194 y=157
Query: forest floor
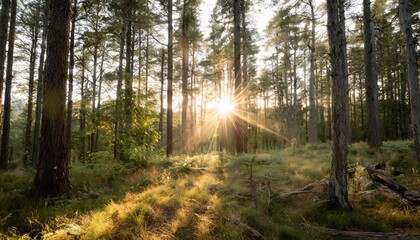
x=212 y=196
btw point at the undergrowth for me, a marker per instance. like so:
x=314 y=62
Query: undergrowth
x=211 y=196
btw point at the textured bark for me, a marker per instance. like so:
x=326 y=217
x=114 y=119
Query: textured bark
x=4 y=21
x=238 y=129
x=52 y=176
x=29 y=116
x=39 y=88
x=185 y=61
x=413 y=80
x=313 y=113
x=5 y=137
x=245 y=75
x=340 y=104
x=169 y=136
x=373 y=128
x=71 y=70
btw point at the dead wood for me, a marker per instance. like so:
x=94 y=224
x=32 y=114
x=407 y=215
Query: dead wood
x=378 y=176
x=251 y=232
x=370 y=235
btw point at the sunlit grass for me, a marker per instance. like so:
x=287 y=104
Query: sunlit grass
x=205 y=196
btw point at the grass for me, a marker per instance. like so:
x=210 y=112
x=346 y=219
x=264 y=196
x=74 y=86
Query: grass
x=210 y=196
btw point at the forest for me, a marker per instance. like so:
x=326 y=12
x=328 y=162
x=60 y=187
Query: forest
x=209 y=119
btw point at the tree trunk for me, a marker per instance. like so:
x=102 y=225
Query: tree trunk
x=185 y=62
x=29 y=117
x=4 y=21
x=128 y=80
x=39 y=88
x=71 y=72
x=118 y=102
x=239 y=135
x=340 y=104
x=161 y=113
x=245 y=76
x=373 y=128
x=82 y=147
x=52 y=176
x=93 y=114
x=313 y=113
x=413 y=81
x=169 y=142
x=5 y=137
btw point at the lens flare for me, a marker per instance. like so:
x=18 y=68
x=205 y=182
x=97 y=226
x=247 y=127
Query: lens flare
x=225 y=107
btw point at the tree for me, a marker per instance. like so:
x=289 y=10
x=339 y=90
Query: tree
x=237 y=122
x=372 y=109
x=5 y=137
x=169 y=134
x=52 y=176
x=340 y=103
x=413 y=81
x=185 y=62
x=71 y=74
x=4 y=21
x=313 y=113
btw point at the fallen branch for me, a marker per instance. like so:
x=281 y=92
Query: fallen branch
x=403 y=191
x=251 y=232
x=370 y=235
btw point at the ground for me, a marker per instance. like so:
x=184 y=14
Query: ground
x=211 y=196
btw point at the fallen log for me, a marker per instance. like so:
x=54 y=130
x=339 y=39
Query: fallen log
x=370 y=235
x=378 y=176
x=251 y=232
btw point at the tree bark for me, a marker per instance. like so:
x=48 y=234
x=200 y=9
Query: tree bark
x=128 y=80
x=373 y=128
x=161 y=113
x=4 y=21
x=5 y=137
x=82 y=146
x=239 y=133
x=118 y=102
x=185 y=62
x=52 y=176
x=413 y=80
x=313 y=113
x=71 y=73
x=169 y=142
x=340 y=104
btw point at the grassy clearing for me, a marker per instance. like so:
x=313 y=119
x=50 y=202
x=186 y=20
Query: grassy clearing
x=213 y=196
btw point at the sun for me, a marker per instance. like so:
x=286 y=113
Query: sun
x=225 y=107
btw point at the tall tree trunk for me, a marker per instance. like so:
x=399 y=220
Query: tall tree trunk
x=82 y=147
x=29 y=116
x=185 y=61
x=128 y=82
x=245 y=75
x=146 y=80
x=161 y=113
x=101 y=79
x=340 y=104
x=139 y=73
x=239 y=133
x=71 y=71
x=4 y=21
x=5 y=137
x=413 y=81
x=39 y=88
x=373 y=128
x=52 y=176
x=313 y=113
x=94 y=80
x=118 y=101
x=169 y=142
